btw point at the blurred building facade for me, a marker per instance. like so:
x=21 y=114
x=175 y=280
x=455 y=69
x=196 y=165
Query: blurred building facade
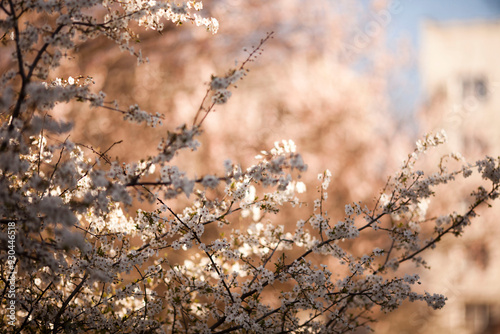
x=461 y=77
x=460 y=71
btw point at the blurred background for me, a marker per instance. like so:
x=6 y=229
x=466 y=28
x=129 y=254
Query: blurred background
x=354 y=84
x=454 y=84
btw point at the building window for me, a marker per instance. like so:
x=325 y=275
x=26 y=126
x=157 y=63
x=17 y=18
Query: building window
x=477 y=317
x=478 y=254
x=482 y=318
x=475 y=88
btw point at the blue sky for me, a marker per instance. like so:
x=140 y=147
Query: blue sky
x=406 y=24
x=414 y=11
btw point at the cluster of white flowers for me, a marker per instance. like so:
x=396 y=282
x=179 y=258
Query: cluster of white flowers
x=431 y=140
x=209 y=246
x=219 y=85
